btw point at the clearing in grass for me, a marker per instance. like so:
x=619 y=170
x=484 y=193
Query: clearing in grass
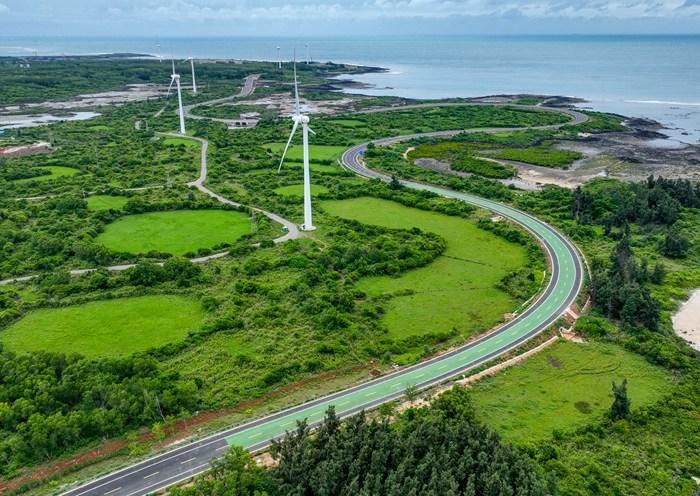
x=106 y=202
x=544 y=155
x=55 y=171
x=180 y=141
x=178 y=232
x=454 y=295
x=297 y=190
x=347 y=123
x=317 y=153
x=106 y=328
x=563 y=388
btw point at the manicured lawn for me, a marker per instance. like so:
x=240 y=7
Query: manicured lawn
x=106 y=202
x=298 y=190
x=180 y=141
x=56 y=172
x=316 y=152
x=456 y=291
x=106 y=328
x=563 y=388
x=176 y=232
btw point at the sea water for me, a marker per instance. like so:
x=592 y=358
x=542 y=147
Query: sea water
x=641 y=76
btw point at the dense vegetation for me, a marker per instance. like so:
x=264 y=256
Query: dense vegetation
x=437 y=451
x=53 y=79
x=52 y=403
x=278 y=316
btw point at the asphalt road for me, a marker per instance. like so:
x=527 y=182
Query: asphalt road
x=248 y=88
x=561 y=291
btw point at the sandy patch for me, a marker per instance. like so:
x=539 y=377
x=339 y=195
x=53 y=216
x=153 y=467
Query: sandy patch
x=686 y=322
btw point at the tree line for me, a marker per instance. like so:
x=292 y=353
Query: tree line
x=436 y=451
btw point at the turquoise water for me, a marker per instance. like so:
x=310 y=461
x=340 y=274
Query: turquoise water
x=645 y=76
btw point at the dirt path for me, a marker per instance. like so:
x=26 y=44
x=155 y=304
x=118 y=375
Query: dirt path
x=686 y=322
x=292 y=231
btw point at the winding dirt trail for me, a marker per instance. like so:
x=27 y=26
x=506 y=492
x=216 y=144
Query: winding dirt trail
x=291 y=229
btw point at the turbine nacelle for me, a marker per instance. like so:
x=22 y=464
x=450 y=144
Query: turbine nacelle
x=300 y=119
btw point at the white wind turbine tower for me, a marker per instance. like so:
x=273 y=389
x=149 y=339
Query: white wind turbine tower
x=175 y=78
x=279 y=58
x=194 y=78
x=299 y=118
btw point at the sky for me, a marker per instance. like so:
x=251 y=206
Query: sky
x=292 y=18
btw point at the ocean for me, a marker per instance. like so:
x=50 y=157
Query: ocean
x=642 y=76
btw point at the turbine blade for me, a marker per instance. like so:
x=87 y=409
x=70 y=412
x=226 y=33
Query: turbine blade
x=296 y=86
x=311 y=130
x=172 y=81
x=289 y=142
x=173 y=61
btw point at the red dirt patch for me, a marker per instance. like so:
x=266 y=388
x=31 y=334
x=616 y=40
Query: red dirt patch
x=174 y=433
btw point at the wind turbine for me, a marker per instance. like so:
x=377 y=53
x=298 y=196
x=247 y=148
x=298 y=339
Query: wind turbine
x=299 y=118
x=279 y=58
x=194 y=79
x=175 y=78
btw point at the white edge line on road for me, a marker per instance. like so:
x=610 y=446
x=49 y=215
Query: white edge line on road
x=160 y=485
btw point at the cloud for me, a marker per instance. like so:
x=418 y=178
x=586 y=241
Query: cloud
x=216 y=10
x=4 y=8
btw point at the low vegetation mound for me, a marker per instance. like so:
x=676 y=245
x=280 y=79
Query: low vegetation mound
x=461 y=157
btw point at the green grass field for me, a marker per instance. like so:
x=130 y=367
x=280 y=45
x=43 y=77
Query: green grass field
x=544 y=155
x=562 y=388
x=298 y=190
x=177 y=232
x=106 y=202
x=316 y=152
x=100 y=128
x=180 y=141
x=347 y=123
x=56 y=172
x=456 y=291
x=117 y=327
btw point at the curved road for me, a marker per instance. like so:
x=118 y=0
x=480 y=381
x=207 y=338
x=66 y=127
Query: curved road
x=248 y=88
x=562 y=289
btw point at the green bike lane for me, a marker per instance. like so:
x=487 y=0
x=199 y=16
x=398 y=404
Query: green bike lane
x=564 y=285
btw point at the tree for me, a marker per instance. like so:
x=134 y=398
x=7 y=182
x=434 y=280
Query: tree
x=620 y=408
x=658 y=274
x=236 y=474
x=395 y=183
x=411 y=392
x=146 y=274
x=675 y=245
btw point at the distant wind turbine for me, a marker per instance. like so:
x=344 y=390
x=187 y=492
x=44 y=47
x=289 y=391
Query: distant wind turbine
x=299 y=118
x=175 y=79
x=194 y=78
x=279 y=58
